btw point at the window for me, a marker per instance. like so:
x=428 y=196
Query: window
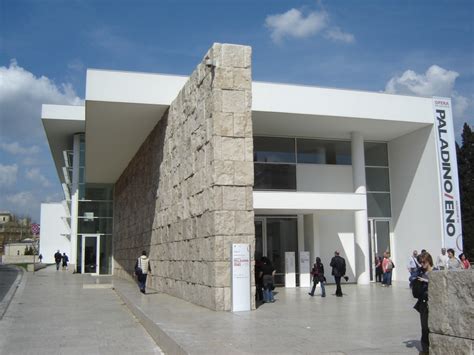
x=274 y=150
x=376 y=154
x=275 y=176
x=315 y=151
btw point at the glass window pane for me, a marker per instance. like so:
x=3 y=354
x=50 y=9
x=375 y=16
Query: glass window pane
x=378 y=205
x=282 y=236
x=94 y=225
x=311 y=151
x=314 y=151
x=376 y=154
x=105 y=256
x=99 y=192
x=275 y=177
x=377 y=179
x=98 y=208
x=275 y=150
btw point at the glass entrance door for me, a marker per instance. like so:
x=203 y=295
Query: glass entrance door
x=90 y=260
x=273 y=237
x=379 y=238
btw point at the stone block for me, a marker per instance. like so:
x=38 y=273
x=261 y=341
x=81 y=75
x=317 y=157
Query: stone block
x=242 y=125
x=234 y=197
x=241 y=79
x=243 y=173
x=448 y=345
x=244 y=222
x=235 y=101
x=233 y=149
x=248 y=149
x=224 y=222
x=234 y=56
x=224 y=78
x=223 y=172
x=451 y=303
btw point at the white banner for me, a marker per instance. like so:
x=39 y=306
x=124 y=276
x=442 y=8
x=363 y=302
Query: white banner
x=448 y=169
x=305 y=278
x=290 y=269
x=241 y=292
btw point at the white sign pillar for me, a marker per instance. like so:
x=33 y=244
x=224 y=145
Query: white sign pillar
x=305 y=278
x=448 y=171
x=240 y=267
x=290 y=269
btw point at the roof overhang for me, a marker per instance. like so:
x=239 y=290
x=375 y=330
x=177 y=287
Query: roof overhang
x=303 y=111
x=60 y=124
x=122 y=108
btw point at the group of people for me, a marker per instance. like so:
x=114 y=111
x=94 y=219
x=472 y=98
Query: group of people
x=419 y=267
x=61 y=258
x=383 y=269
x=265 y=273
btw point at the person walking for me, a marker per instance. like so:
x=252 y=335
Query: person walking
x=57 y=258
x=40 y=257
x=465 y=264
x=65 y=261
x=453 y=263
x=267 y=274
x=442 y=260
x=142 y=268
x=420 y=291
x=338 y=264
x=387 y=266
x=318 y=277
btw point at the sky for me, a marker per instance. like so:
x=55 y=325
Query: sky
x=422 y=48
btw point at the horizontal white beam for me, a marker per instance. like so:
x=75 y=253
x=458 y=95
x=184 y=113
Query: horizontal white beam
x=307 y=202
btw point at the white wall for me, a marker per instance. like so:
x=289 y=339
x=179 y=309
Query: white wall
x=415 y=194
x=52 y=226
x=324 y=178
x=326 y=232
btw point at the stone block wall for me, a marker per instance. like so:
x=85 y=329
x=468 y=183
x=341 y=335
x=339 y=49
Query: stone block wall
x=187 y=194
x=451 y=312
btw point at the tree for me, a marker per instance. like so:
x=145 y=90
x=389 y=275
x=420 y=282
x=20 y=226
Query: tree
x=465 y=155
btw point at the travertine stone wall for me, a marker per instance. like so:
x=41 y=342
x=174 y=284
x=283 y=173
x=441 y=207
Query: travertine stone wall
x=187 y=193
x=451 y=312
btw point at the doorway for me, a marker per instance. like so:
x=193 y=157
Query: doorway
x=379 y=240
x=90 y=260
x=274 y=236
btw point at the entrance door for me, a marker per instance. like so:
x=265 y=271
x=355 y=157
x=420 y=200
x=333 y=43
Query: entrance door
x=273 y=237
x=379 y=237
x=90 y=257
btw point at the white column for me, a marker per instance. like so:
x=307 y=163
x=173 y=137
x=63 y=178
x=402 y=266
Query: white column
x=75 y=199
x=362 y=255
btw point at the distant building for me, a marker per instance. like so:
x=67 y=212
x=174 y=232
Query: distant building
x=13 y=229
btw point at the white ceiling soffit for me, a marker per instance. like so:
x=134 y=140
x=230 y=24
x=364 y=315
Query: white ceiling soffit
x=60 y=124
x=114 y=133
x=313 y=126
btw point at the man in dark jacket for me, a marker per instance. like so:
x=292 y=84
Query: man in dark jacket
x=338 y=265
x=57 y=259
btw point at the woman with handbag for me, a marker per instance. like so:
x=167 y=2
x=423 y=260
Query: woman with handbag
x=318 y=277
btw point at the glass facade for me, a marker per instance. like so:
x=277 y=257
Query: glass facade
x=94 y=222
x=275 y=159
x=377 y=176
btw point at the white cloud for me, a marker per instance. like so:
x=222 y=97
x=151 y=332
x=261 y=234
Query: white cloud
x=21 y=97
x=16 y=148
x=35 y=175
x=337 y=34
x=8 y=174
x=294 y=24
x=436 y=81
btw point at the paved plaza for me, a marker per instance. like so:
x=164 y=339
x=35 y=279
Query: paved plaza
x=56 y=312
x=367 y=320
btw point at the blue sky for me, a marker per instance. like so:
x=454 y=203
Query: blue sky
x=410 y=47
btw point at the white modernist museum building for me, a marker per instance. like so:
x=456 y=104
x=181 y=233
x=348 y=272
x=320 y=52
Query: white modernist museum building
x=333 y=169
